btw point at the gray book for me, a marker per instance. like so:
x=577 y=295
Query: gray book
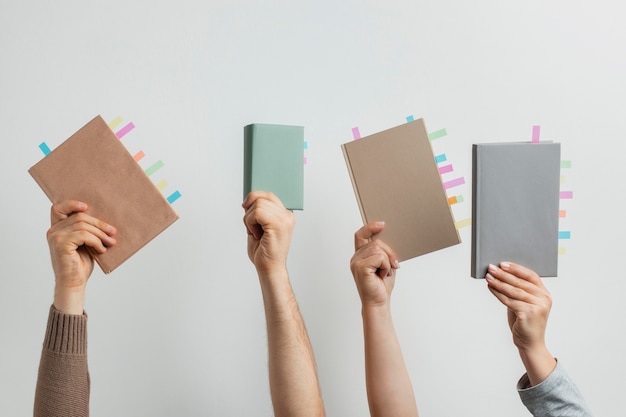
x=515 y=206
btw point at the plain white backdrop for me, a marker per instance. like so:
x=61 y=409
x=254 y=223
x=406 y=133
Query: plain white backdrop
x=179 y=330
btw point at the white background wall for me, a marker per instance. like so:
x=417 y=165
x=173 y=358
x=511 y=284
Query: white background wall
x=179 y=330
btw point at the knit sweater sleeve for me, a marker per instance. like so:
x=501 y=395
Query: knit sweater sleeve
x=63 y=378
x=556 y=396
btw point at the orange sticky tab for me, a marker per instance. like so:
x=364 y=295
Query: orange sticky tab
x=139 y=155
x=562 y=213
x=452 y=200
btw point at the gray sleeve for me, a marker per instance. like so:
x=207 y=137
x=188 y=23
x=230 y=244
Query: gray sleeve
x=556 y=396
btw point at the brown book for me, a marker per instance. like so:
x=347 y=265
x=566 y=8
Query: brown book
x=395 y=179
x=94 y=167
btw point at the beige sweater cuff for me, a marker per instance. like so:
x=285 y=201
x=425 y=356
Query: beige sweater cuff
x=66 y=333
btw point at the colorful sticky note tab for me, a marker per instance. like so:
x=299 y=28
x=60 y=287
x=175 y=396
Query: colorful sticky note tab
x=566 y=164
x=139 y=155
x=566 y=195
x=440 y=158
x=44 y=148
x=123 y=131
x=154 y=168
x=115 y=122
x=562 y=214
x=454 y=183
x=536 y=132
x=445 y=169
x=161 y=185
x=355 y=133
x=561 y=251
x=565 y=235
x=174 y=196
x=410 y=119
x=437 y=134
x=463 y=223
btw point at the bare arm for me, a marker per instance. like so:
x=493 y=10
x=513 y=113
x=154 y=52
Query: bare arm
x=293 y=376
x=389 y=389
x=528 y=305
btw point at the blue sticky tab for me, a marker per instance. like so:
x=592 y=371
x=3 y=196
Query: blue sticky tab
x=44 y=148
x=173 y=197
x=409 y=119
x=440 y=158
x=564 y=235
x=306 y=145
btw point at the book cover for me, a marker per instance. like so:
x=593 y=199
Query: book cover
x=515 y=205
x=93 y=166
x=274 y=161
x=395 y=180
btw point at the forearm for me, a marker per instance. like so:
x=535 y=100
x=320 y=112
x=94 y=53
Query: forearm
x=292 y=371
x=63 y=377
x=69 y=300
x=389 y=388
x=539 y=363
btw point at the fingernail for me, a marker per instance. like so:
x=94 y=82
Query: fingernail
x=396 y=263
x=505 y=265
x=380 y=224
x=488 y=277
x=492 y=268
x=81 y=205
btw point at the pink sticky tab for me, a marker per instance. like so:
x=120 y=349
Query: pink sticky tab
x=454 y=183
x=566 y=195
x=355 y=133
x=445 y=169
x=536 y=131
x=120 y=134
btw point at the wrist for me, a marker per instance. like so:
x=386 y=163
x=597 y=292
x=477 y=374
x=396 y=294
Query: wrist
x=538 y=361
x=70 y=300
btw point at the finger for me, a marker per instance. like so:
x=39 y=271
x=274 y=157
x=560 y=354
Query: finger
x=364 y=235
x=522 y=272
x=253 y=196
x=81 y=222
x=77 y=235
x=252 y=222
x=374 y=257
x=509 y=285
x=75 y=218
x=64 y=209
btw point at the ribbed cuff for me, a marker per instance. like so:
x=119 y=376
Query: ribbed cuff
x=66 y=333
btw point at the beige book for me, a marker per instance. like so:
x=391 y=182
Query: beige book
x=395 y=179
x=94 y=167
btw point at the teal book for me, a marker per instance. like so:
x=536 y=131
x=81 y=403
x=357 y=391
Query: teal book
x=273 y=159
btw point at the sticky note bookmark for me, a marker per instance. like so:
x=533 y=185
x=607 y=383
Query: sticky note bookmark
x=437 y=134
x=174 y=196
x=440 y=158
x=44 y=148
x=123 y=131
x=154 y=168
x=445 y=169
x=138 y=156
x=453 y=183
x=463 y=223
x=410 y=118
x=355 y=133
x=566 y=195
x=115 y=122
x=565 y=235
x=536 y=132
x=562 y=214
